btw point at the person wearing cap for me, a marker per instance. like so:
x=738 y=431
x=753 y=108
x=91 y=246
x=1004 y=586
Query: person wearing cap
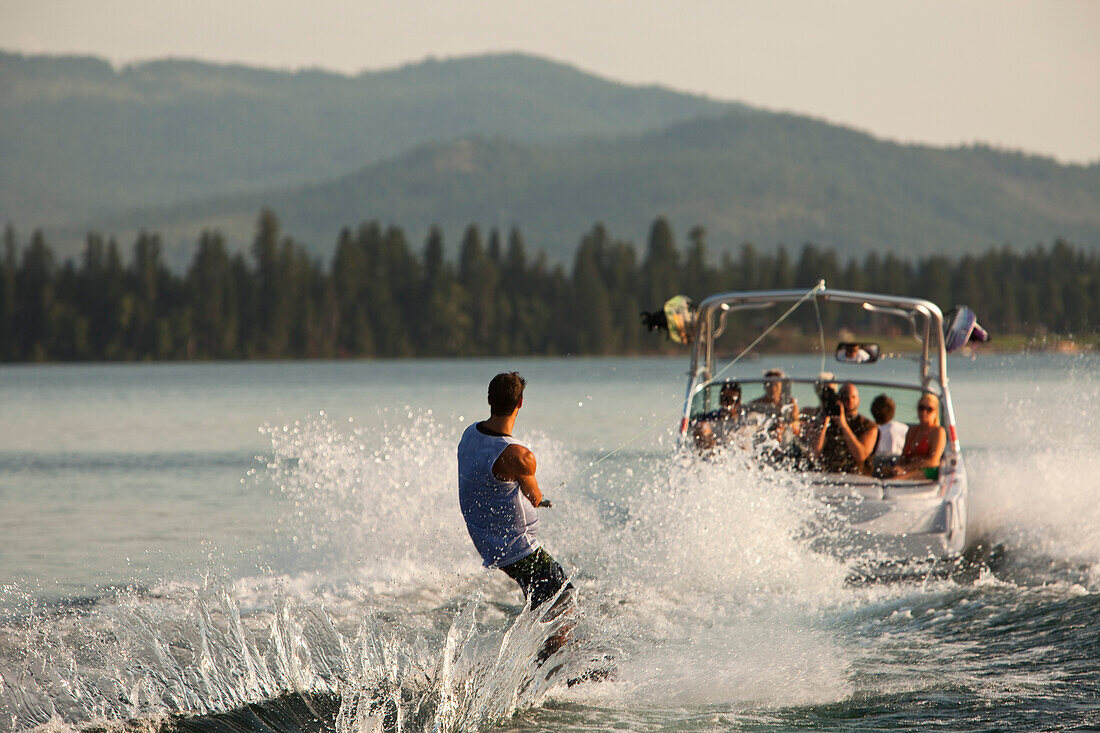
x=777 y=405
x=825 y=382
x=717 y=426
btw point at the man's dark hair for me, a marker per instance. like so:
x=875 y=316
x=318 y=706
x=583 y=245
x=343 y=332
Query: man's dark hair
x=883 y=409
x=505 y=392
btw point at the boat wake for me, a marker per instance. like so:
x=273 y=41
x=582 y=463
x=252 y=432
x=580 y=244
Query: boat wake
x=1036 y=501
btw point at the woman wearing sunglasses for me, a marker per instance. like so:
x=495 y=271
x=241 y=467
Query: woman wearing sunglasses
x=924 y=442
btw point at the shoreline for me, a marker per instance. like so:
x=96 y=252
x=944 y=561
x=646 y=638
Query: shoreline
x=1007 y=345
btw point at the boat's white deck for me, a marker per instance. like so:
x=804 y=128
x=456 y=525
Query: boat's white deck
x=847 y=484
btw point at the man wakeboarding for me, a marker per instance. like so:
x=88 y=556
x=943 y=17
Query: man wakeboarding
x=499 y=496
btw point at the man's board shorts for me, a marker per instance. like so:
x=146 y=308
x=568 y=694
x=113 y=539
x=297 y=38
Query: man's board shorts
x=539 y=575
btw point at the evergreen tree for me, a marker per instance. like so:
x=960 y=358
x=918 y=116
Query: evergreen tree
x=68 y=325
x=210 y=288
x=1065 y=278
x=783 y=278
x=933 y=280
x=815 y=264
x=395 y=278
x=269 y=315
x=495 y=251
x=621 y=275
x=382 y=300
x=854 y=277
x=591 y=307
x=94 y=297
x=243 y=298
x=748 y=271
x=350 y=277
x=296 y=271
x=120 y=304
x=512 y=265
x=897 y=276
x=697 y=280
x=34 y=297
x=661 y=270
x=529 y=312
x=9 y=267
x=479 y=278
x=446 y=324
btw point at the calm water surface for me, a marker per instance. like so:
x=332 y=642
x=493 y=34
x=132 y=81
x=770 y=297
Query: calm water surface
x=182 y=541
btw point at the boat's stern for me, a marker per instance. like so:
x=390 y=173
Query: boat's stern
x=894 y=519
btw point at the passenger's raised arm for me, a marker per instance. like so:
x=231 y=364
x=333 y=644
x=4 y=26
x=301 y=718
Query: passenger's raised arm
x=842 y=440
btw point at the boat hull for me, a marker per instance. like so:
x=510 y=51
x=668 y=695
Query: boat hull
x=891 y=521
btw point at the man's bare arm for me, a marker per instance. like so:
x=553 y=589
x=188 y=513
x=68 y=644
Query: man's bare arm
x=518 y=464
x=860 y=447
x=867 y=442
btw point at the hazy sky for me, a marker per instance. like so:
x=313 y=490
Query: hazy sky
x=1015 y=73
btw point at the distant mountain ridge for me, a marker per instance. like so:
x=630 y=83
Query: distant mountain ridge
x=502 y=140
x=746 y=177
x=79 y=138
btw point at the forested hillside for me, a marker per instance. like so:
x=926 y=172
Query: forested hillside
x=748 y=177
x=179 y=147
x=78 y=137
x=382 y=295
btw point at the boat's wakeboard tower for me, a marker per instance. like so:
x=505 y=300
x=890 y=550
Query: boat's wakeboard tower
x=924 y=318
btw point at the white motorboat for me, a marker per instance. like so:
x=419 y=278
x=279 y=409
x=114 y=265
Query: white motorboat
x=877 y=517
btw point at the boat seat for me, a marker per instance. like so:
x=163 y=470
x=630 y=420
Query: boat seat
x=840 y=485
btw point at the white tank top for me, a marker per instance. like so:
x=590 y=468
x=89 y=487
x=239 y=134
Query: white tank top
x=501 y=521
x=891 y=438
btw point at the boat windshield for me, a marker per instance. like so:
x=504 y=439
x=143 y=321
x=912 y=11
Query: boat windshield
x=907 y=334
x=805 y=393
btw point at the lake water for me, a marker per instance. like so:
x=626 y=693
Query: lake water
x=180 y=542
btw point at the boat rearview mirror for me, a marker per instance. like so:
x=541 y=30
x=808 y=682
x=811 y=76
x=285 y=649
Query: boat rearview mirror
x=851 y=352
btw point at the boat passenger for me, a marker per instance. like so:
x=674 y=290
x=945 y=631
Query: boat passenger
x=825 y=381
x=856 y=354
x=891 y=432
x=924 y=443
x=841 y=440
x=891 y=437
x=777 y=405
x=718 y=426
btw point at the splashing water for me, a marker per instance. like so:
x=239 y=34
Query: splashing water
x=1035 y=490
x=424 y=655
x=694 y=574
x=139 y=658
x=716 y=598
x=377 y=496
